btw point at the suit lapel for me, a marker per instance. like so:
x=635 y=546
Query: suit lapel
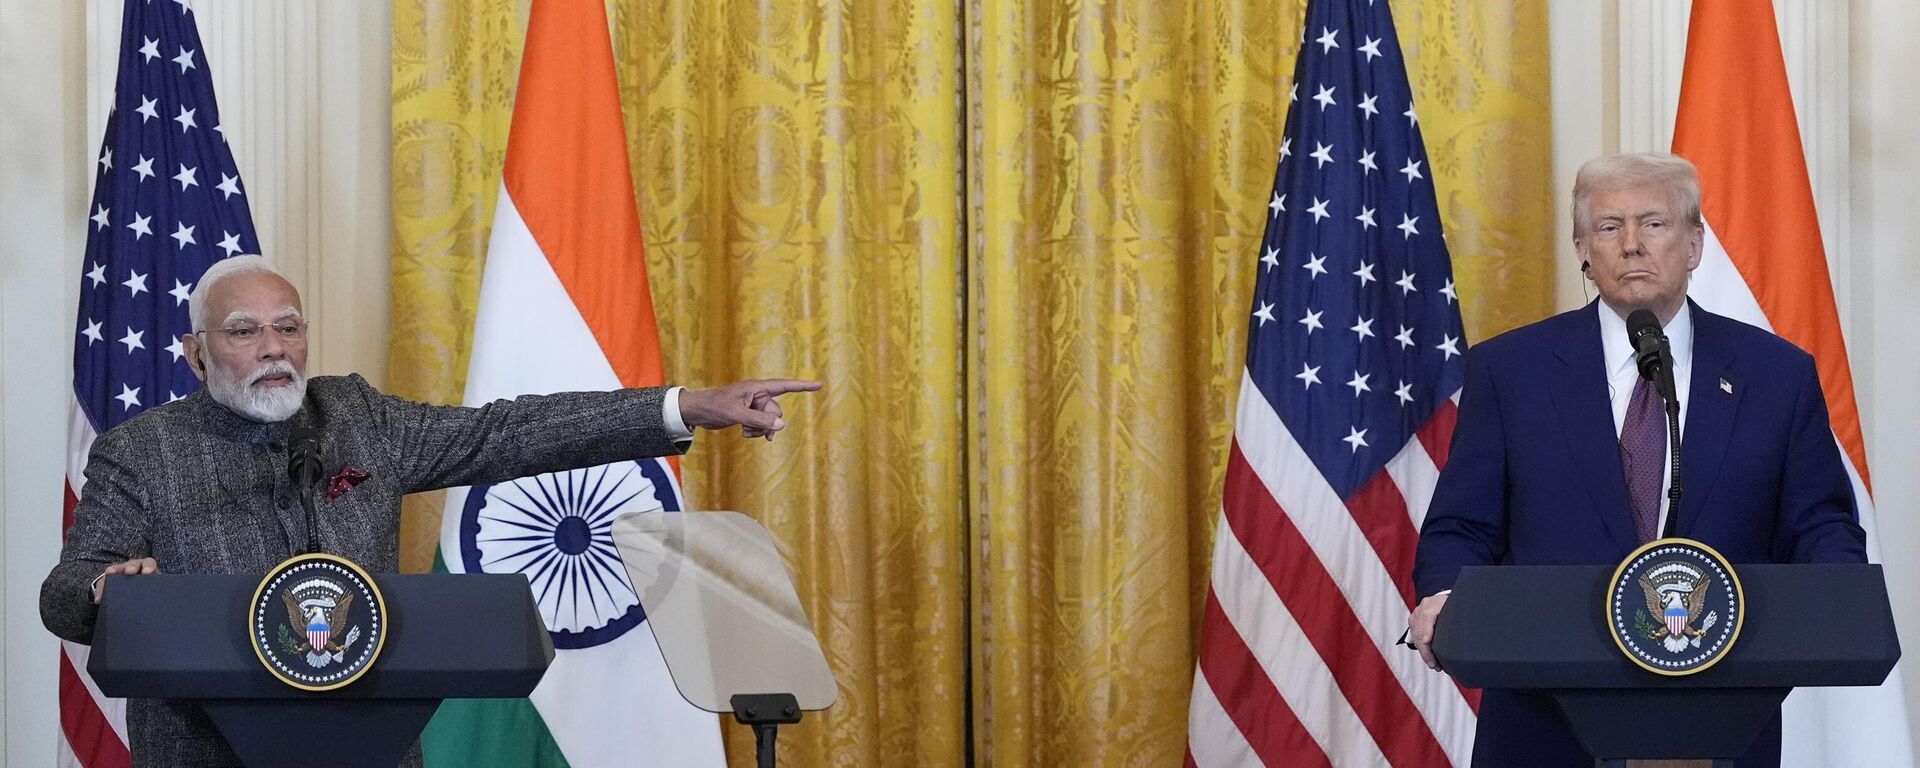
x=1579 y=383
x=1709 y=416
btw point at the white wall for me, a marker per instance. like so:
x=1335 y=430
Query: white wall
x=43 y=198
x=304 y=99
x=1852 y=68
x=1885 y=307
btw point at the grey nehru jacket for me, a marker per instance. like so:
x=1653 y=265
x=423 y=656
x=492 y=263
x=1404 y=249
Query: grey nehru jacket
x=201 y=489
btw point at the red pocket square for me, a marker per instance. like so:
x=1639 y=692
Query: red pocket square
x=343 y=482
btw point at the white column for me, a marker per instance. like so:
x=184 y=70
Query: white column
x=1885 y=188
x=1585 y=121
x=45 y=162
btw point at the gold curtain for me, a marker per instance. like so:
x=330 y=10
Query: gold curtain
x=1015 y=238
x=799 y=163
x=1123 y=153
x=455 y=65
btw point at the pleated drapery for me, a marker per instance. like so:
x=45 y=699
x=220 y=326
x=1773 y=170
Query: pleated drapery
x=1016 y=240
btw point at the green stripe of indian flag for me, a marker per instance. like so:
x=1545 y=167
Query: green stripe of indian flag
x=488 y=733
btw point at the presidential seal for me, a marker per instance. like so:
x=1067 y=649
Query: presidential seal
x=1675 y=607
x=317 y=622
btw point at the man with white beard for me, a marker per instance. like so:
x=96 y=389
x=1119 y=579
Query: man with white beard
x=201 y=485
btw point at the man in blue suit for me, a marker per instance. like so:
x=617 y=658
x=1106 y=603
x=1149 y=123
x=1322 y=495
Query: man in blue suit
x=1557 y=458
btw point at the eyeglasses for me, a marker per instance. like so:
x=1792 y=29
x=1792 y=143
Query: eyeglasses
x=246 y=335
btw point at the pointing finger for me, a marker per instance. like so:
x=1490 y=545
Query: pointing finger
x=772 y=387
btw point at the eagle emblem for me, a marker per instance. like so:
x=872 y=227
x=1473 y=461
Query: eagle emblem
x=325 y=620
x=317 y=621
x=1676 y=595
x=1675 y=606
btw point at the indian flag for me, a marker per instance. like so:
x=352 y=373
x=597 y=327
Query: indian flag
x=564 y=305
x=1764 y=264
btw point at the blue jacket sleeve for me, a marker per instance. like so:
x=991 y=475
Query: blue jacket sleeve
x=1817 y=522
x=1466 y=523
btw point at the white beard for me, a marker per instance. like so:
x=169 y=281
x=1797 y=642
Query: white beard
x=262 y=404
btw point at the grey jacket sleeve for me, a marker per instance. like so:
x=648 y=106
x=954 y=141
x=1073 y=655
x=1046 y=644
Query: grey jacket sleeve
x=110 y=525
x=443 y=446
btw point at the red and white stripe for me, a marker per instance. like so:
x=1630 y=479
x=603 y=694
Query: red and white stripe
x=1308 y=596
x=93 y=727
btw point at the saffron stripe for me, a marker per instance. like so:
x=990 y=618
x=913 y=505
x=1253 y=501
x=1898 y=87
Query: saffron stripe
x=568 y=173
x=1735 y=121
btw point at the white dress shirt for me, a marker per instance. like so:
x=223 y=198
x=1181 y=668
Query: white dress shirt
x=1622 y=375
x=676 y=424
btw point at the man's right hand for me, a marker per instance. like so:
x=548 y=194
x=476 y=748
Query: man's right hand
x=1425 y=615
x=750 y=404
x=128 y=568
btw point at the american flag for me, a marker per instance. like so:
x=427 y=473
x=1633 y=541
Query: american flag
x=1347 y=406
x=167 y=203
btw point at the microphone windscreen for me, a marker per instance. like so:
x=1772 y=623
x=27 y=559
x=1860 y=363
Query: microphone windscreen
x=303 y=455
x=1642 y=321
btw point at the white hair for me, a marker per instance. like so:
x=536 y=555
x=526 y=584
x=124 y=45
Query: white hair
x=1635 y=169
x=246 y=263
x=266 y=406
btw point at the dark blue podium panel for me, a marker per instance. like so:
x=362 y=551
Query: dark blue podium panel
x=451 y=636
x=448 y=636
x=1544 y=629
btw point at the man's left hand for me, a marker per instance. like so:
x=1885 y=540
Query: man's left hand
x=750 y=404
x=1425 y=617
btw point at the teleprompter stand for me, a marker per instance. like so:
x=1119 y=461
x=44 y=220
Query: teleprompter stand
x=728 y=621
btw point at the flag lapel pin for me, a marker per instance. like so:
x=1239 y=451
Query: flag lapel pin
x=1726 y=386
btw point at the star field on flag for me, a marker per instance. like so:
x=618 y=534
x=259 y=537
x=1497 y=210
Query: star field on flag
x=167 y=203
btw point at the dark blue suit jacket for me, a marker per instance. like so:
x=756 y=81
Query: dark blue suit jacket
x=1534 y=478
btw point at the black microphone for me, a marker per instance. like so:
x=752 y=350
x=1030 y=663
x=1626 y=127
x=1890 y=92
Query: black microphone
x=1650 y=351
x=1655 y=360
x=303 y=466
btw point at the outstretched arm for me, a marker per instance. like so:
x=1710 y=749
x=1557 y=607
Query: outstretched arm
x=441 y=446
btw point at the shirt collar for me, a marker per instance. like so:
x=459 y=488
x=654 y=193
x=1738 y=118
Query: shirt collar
x=1619 y=353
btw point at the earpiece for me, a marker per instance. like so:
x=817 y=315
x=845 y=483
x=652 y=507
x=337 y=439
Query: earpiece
x=1584 y=265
